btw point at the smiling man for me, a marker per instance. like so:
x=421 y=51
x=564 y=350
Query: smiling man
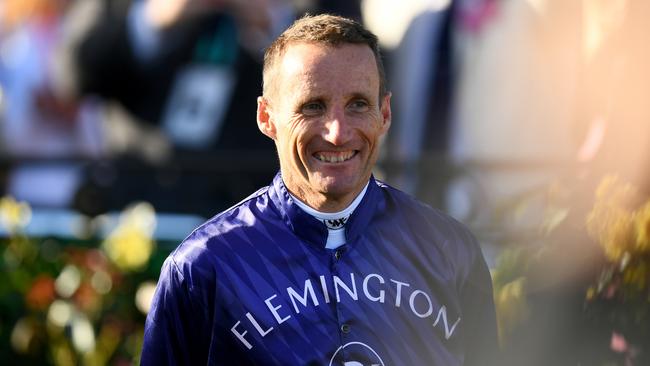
x=326 y=266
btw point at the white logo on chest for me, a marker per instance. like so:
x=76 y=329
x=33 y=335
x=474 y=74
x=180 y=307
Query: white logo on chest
x=351 y=346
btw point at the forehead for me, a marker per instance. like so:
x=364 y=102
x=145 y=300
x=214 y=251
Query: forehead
x=310 y=66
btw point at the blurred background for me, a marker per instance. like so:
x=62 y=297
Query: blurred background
x=124 y=124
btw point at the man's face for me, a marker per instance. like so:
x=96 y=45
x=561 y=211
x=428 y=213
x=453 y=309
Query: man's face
x=326 y=117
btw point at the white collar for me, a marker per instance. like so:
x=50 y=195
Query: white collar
x=335 y=221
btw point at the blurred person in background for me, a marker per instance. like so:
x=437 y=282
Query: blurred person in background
x=421 y=39
x=326 y=265
x=176 y=75
x=45 y=129
x=421 y=70
x=182 y=64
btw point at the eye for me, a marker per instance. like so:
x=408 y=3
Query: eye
x=312 y=108
x=359 y=105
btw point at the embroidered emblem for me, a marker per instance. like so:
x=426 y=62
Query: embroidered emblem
x=336 y=224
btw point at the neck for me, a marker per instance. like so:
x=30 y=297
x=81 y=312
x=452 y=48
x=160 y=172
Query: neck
x=323 y=202
x=329 y=204
x=324 y=216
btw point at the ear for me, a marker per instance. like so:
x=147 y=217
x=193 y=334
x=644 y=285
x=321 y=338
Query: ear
x=264 y=120
x=386 y=114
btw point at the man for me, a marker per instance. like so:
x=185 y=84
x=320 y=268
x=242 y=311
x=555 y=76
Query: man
x=326 y=266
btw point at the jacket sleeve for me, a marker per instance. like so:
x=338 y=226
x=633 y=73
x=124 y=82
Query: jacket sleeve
x=175 y=328
x=477 y=302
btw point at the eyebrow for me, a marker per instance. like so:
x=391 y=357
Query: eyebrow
x=306 y=100
x=322 y=98
x=358 y=95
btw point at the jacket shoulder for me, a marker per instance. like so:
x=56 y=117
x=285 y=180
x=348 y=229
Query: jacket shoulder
x=218 y=235
x=454 y=238
x=432 y=217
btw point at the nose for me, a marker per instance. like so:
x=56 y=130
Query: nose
x=337 y=130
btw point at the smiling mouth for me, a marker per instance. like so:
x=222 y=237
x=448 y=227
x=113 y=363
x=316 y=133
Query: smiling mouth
x=335 y=157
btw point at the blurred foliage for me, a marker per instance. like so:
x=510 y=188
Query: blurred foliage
x=76 y=301
x=621 y=293
x=589 y=272
x=509 y=292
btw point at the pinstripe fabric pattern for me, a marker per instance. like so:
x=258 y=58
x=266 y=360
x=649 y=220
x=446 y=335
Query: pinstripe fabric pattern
x=255 y=285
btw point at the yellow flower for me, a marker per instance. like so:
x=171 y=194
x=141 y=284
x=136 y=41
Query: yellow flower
x=130 y=245
x=591 y=293
x=14 y=215
x=617 y=237
x=642 y=228
x=610 y=222
x=129 y=248
x=612 y=190
x=23 y=335
x=511 y=307
x=613 y=228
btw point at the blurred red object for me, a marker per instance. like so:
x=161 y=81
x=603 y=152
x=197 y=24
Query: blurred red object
x=41 y=294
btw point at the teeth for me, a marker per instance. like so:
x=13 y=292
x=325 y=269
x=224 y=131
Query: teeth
x=335 y=157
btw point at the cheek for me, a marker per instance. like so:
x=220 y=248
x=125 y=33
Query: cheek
x=292 y=142
x=373 y=132
x=299 y=134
